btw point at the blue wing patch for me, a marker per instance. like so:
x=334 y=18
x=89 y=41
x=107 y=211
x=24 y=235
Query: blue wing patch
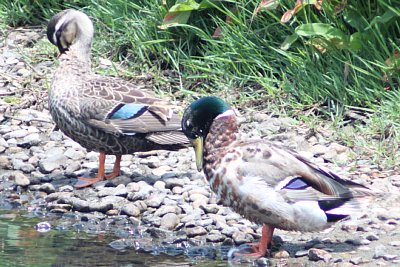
x=127 y=111
x=296 y=184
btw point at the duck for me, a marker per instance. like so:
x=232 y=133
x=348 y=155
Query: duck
x=104 y=114
x=265 y=182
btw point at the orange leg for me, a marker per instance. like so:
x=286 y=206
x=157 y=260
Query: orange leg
x=85 y=182
x=261 y=248
x=116 y=169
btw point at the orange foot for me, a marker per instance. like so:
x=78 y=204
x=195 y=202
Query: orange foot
x=85 y=182
x=261 y=248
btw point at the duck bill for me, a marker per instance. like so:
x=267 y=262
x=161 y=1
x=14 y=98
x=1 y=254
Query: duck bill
x=198 y=150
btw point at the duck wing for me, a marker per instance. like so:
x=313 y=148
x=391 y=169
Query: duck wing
x=123 y=108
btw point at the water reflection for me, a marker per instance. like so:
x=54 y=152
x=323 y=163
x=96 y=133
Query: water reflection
x=21 y=244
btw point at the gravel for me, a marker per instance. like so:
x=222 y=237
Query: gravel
x=162 y=190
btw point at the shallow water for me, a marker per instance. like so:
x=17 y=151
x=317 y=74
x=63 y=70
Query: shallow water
x=26 y=239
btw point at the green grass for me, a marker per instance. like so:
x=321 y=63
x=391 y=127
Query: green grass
x=248 y=65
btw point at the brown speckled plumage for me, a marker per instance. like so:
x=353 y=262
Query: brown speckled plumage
x=101 y=113
x=266 y=182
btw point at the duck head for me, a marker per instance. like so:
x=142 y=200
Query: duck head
x=70 y=28
x=197 y=120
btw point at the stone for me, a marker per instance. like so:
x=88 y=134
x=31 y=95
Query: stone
x=395 y=243
x=77 y=203
x=5 y=163
x=101 y=206
x=315 y=254
x=167 y=209
x=130 y=209
x=195 y=231
x=155 y=200
x=281 y=254
x=172 y=182
x=21 y=179
x=161 y=170
x=48 y=188
x=74 y=154
x=169 y=221
x=242 y=238
x=210 y=208
x=16 y=134
x=379 y=251
x=120 y=190
x=32 y=139
x=215 y=238
x=159 y=185
x=301 y=253
x=50 y=164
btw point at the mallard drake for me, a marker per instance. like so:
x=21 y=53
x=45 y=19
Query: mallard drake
x=104 y=114
x=266 y=182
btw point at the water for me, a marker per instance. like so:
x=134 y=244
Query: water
x=29 y=239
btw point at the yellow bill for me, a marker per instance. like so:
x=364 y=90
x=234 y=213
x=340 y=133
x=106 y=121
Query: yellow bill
x=198 y=150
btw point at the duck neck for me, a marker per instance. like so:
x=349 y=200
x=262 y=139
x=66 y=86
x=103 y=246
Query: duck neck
x=76 y=60
x=223 y=132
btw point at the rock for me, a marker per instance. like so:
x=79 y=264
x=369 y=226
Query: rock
x=48 y=188
x=210 y=208
x=372 y=237
x=395 y=243
x=16 y=134
x=66 y=188
x=172 y=182
x=390 y=257
x=167 y=209
x=199 y=197
x=120 y=190
x=77 y=203
x=159 y=185
x=50 y=164
x=215 y=238
x=169 y=221
x=379 y=251
x=241 y=238
x=195 y=231
x=101 y=206
x=177 y=190
x=131 y=210
x=74 y=154
x=155 y=200
x=315 y=254
x=301 y=253
x=281 y=254
x=117 y=201
x=132 y=187
x=21 y=179
x=5 y=163
x=32 y=139
x=356 y=261
x=161 y=170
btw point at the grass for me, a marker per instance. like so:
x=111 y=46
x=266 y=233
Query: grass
x=248 y=65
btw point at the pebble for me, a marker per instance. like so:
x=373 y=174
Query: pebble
x=315 y=254
x=167 y=209
x=21 y=179
x=379 y=251
x=169 y=221
x=48 y=188
x=241 y=238
x=155 y=200
x=120 y=190
x=131 y=210
x=195 y=231
x=50 y=164
x=301 y=253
